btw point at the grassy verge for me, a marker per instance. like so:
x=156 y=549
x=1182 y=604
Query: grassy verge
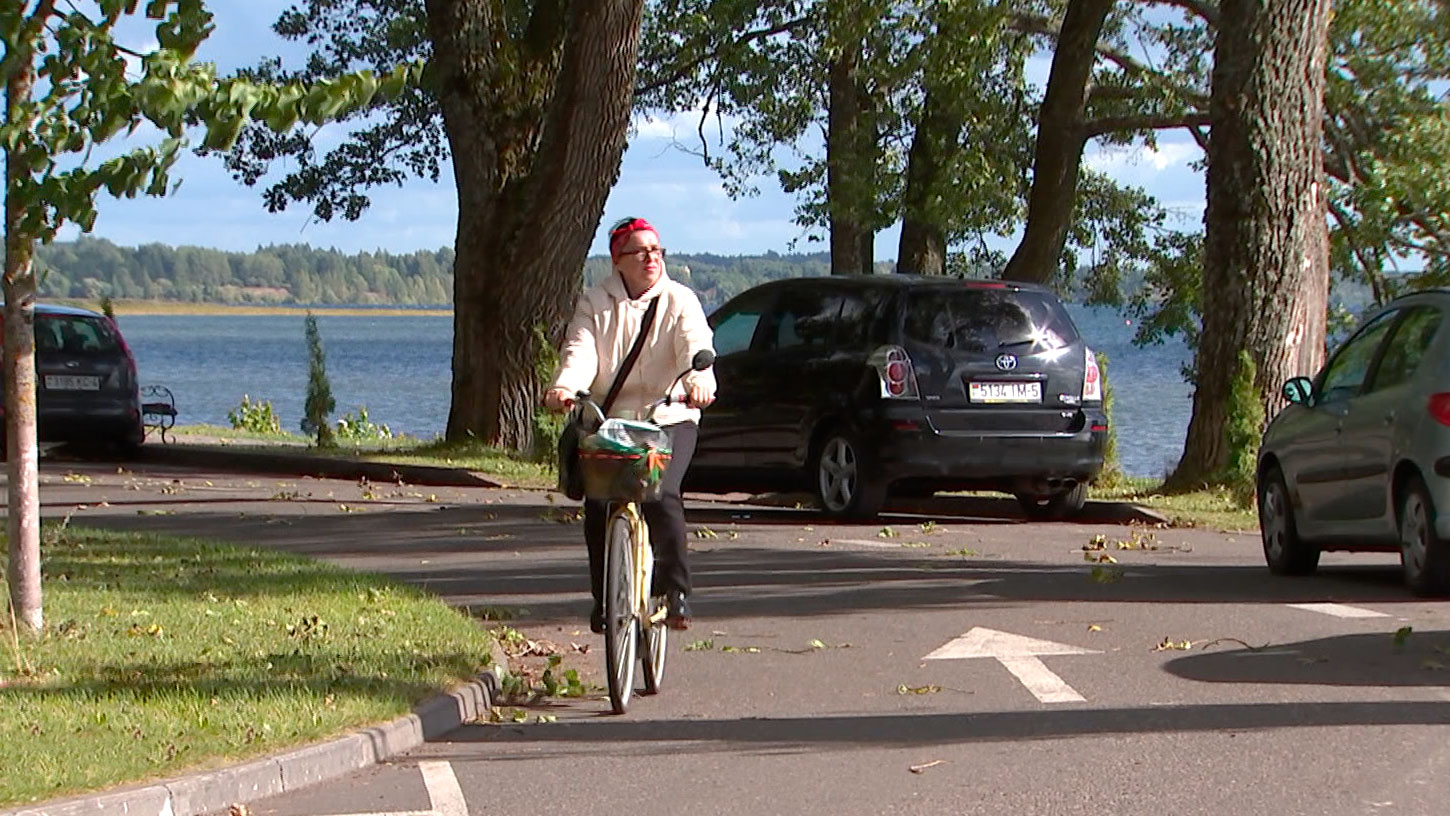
x=163 y=654
x=503 y=466
x=1215 y=509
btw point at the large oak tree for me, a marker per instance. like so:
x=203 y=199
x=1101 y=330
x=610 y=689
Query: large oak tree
x=531 y=100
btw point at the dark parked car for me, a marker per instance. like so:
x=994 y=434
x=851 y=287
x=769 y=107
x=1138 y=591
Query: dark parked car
x=85 y=377
x=860 y=387
x=1360 y=459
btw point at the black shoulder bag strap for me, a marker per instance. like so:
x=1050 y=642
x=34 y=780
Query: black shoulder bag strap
x=649 y=320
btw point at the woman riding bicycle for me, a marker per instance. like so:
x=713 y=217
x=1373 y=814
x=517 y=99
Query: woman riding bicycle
x=605 y=325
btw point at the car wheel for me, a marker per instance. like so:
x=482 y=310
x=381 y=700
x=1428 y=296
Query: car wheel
x=1054 y=506
x=1284 y=551
x=844 y=486
x=1423 y=554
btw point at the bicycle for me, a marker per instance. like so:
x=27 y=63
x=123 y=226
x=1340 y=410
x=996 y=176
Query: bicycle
x=634 y=619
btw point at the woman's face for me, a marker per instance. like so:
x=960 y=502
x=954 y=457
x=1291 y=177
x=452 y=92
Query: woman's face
x=641 y=260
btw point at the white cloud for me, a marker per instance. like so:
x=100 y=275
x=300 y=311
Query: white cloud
x=1135 y=157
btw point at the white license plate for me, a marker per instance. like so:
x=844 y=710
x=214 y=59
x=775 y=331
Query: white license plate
x=72 y=382
x=1005 y=391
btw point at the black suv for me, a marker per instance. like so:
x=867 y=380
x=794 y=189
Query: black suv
x=856 y=387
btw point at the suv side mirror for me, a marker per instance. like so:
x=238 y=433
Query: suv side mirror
x=1299 y=390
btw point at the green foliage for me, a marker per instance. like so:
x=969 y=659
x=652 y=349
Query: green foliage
x=107 y=307
x=1244 y=429
x=547 y=425
x=257 y=417
x=358 y=428
x=89 y=89
x=319 y=404
x=1112 y=473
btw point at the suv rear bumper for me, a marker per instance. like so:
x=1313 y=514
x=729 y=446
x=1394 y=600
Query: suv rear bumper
x=908 y=448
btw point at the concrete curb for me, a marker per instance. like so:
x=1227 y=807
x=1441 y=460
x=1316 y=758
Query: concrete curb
x=226 y=457
x=213 y=791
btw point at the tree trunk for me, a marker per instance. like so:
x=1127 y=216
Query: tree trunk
x=849 y=168
x=535 y=152
x=1060 y=140
x=23 y=460
x=1266 y=252
x=923 y=246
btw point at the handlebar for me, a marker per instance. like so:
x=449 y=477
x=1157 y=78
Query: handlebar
x=704 y=358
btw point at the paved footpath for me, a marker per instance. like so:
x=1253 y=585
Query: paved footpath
x=971 y=664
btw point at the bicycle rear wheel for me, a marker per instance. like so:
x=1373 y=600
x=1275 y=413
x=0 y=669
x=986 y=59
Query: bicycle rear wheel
x=621 y=627
x=652 y=648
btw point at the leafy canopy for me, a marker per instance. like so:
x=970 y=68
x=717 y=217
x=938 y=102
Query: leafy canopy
x=87 y=88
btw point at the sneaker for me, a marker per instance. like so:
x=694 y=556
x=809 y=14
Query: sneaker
x=677 y=614
x=596 y=620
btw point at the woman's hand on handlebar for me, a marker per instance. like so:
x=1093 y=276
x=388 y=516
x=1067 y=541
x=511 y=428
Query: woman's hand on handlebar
x=699 y=396
x=558 y=399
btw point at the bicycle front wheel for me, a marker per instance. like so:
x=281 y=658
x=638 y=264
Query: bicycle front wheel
x=621 y=626
x=652 y=648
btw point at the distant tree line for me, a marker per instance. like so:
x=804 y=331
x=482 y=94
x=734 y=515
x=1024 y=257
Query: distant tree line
x=93 y=268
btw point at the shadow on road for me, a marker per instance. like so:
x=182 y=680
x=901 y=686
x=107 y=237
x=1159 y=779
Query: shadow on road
x=1378 y=659
x=804 y=734
x=519 y=555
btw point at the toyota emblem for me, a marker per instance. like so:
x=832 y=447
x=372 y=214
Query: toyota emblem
x=1006 y=362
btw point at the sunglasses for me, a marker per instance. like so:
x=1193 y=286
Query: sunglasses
x=644 y=254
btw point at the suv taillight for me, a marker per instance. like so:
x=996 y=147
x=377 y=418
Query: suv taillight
x=898 y=378
x=1440 y=408
x=1092 y=379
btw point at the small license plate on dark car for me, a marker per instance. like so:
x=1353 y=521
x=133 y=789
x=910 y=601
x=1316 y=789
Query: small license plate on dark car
x=72 y=382
x=1000 y=392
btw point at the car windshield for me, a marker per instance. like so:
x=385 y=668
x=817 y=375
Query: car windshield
x=74 y=334
x=986 y=320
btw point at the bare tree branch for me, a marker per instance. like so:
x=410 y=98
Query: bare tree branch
x=1116 y=124
x=747 y=37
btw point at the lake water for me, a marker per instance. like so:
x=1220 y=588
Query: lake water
x=399 y=367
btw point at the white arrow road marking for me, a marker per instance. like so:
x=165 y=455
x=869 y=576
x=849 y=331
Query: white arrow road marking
x=1018 y=655
x=1338 y=610
x=444 y=793
x=445 y=797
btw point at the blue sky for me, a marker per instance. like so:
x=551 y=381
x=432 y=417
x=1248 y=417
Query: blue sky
x=673 y=189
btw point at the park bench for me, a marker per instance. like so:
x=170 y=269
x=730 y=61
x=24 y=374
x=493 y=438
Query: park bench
x=158 y=410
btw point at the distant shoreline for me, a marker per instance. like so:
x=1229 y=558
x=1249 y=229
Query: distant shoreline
x=125 y=307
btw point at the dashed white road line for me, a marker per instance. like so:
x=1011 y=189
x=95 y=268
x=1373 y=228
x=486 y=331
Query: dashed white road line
x=445 y=797
x=1338 y=610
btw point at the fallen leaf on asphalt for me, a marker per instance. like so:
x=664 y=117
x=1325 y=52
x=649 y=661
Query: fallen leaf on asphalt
x=1432 y=664
x=927 y=689
x=238 y=810
x=1095 y=628
x=1097 y=542
x=1106 y=575
x=1173 y=645
x=1402 y=634
x=155 y=512
x=78 y=478
x=1099 y=557
x=916 y=769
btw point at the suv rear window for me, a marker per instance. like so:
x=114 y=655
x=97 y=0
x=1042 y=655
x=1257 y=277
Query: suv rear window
x=987 y=319
x=74 y=334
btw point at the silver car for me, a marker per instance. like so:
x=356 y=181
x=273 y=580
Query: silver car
x=1360 y=459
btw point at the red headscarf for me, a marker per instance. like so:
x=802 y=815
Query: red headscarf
x=622 y=231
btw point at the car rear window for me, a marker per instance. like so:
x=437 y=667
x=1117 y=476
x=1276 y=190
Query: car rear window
x=987 y=319
x=75 y=334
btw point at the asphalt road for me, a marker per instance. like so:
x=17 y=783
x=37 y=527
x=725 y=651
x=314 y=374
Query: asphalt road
x=970 y=664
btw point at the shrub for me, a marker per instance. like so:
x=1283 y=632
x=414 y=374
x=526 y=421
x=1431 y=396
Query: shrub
x=358 y=428
x=1112 y=473
x=546 y=425
x=257 y=417
x=1243 y=433
x=319 y=404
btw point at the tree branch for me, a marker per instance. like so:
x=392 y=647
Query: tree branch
x=745 y=38
x=1204 y=11
x=1115 y=124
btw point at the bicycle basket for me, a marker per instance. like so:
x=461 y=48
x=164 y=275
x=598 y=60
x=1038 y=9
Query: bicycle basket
x=624 y=461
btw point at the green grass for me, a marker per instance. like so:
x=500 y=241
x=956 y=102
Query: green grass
x=1212 y=508
x=162 y=654
x=503 y=466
